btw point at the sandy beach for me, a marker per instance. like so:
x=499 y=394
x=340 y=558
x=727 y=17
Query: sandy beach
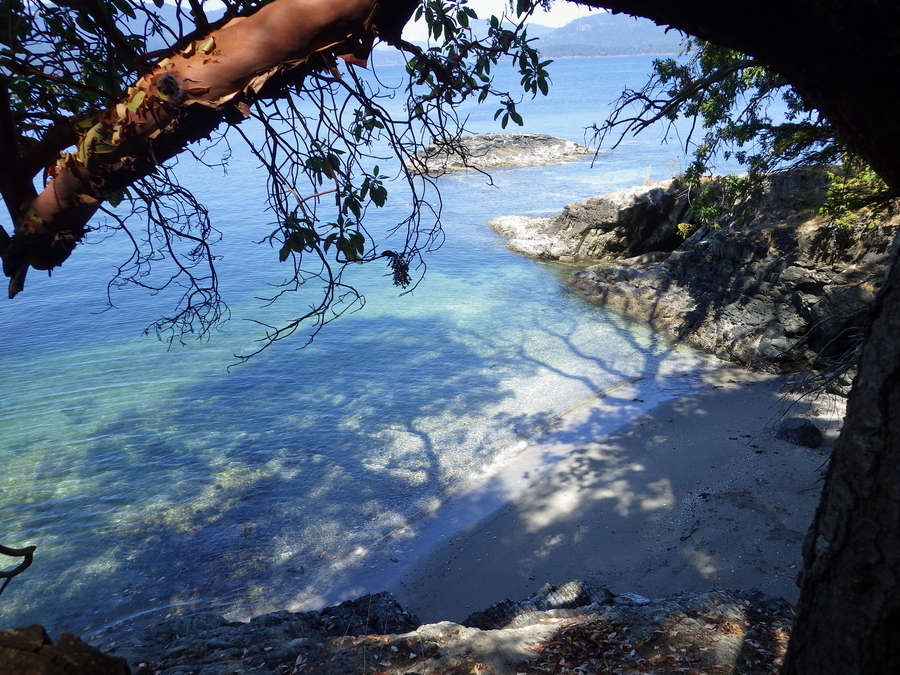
x=694 y=493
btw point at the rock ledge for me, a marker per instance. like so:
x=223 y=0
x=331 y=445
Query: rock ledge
x=577 y=624
x=495 y=150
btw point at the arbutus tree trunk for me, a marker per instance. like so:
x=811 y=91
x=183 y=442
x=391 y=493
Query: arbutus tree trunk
x=183 y=99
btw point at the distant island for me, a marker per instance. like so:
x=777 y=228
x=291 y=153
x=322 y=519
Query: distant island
x=601 y=34
x=606 y=34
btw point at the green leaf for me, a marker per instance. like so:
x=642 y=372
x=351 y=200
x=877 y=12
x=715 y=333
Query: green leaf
x=379 y=195
x=329 y=240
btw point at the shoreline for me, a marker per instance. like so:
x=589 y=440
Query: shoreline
x=509 y=476
x=626 y=512
x=600 y=496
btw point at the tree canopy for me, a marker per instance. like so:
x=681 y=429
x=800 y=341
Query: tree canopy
x=738 y=109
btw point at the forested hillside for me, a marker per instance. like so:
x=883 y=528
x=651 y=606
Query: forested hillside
x=606 y=34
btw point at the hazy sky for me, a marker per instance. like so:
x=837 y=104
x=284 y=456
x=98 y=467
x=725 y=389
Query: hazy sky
x=560 y=14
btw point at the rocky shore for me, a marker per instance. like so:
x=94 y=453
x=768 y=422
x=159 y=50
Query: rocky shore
x=495 y=150
x=559 y=629
x=776 y=289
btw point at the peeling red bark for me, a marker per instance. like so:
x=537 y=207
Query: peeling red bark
x=181 y=100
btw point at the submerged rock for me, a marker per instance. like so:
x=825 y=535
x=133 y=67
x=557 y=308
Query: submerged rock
x=494 y=150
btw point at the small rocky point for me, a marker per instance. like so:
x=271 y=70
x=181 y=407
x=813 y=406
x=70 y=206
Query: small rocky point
x=776 y=288
x=494 y=150
x=573 y=628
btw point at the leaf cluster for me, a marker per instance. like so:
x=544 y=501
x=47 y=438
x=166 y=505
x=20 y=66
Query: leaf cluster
x=856 y=195
x=459 y=66
x=724 y=105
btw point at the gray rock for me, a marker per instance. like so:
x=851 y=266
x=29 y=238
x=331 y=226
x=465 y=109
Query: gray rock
x=622 y=224
x=209 y=644
x=694 y=623
x=494 y=150
x=800 y=431
x=779 y=290
x=569 y=596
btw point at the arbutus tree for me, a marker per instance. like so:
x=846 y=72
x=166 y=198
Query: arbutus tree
x=85 y=107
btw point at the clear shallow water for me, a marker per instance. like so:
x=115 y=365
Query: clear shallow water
x=154 y=481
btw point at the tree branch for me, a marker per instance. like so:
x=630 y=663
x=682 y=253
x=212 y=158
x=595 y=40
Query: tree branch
x=663 y=107
x=200 y=20
x=110 y=30
x=27 y=553
x=24 y=68
x=9 y=149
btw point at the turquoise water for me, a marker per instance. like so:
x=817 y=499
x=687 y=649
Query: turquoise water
x=155 y=480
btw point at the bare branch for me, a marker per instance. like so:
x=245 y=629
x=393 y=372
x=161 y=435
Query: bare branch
x=27 y=553
x=111 y=32
x=653 y=109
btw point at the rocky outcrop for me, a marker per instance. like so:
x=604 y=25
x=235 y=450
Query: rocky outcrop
x=495 y=150
x=618 y=225
x=776 y=297
x=778 y=289
x=577 y=623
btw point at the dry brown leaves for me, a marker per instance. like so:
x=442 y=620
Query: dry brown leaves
x=601 y=646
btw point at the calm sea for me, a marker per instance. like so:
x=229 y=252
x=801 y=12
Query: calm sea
x=155 y=480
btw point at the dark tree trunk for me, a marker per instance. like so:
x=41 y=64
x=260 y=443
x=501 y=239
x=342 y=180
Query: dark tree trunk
x=842 y=55
x=848 y=618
